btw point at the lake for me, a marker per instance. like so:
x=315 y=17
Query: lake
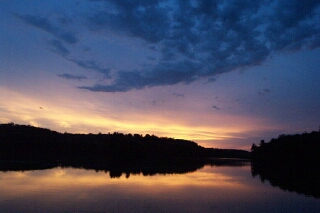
x=209 y=189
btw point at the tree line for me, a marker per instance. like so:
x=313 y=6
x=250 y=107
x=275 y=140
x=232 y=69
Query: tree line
x=29 y=143
x=290 y=162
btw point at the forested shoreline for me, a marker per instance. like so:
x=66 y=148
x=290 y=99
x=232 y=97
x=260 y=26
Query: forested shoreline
x=28 y=143
x=290 y=162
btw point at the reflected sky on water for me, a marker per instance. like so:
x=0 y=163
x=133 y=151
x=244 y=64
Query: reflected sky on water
x=210 y=189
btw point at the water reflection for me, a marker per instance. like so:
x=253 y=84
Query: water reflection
x=305 y=181
x=209 y=189
x=117 y=169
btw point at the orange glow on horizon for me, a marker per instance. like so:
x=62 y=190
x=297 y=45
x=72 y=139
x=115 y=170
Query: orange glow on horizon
x=84 y=117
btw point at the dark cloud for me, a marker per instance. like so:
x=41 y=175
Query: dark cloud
x=90 y=64
x=205 y=38
x=72 y=77
x=264 y=92
x=151 y=58
x=298 y=22
x=164 y=74
x=86 y=49
x=240 y=99
x=212 y=79
x=196 y=38
x=58 y=47
x=105 y=88
x=178 y=95
x=62 y=35
x=215 y=107
x=46 y=25
x=143 y=19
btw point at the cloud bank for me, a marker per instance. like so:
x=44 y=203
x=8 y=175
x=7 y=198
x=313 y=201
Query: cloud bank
x=196 y=38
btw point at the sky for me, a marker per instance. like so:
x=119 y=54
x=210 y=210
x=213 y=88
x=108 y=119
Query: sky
x=224 y=74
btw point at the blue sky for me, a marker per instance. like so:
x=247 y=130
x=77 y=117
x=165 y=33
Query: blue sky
x=221 y=73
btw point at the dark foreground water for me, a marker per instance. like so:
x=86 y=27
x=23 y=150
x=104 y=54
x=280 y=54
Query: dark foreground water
x=210 y=189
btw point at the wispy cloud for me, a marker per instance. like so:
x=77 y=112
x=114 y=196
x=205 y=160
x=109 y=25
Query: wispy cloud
x=264 y=92
x=178 y=95
x=62 y=35
x=45 y=24
x=212 y=79
x=72 y=77
x=57 y=46
x=90 y=64
x=216 y=108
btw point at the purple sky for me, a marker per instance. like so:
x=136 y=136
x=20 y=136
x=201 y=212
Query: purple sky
x=222 y=73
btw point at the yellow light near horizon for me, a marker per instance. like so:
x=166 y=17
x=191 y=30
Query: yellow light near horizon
x=84 y=117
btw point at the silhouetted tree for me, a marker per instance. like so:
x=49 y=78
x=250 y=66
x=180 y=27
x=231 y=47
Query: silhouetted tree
x=290 y=161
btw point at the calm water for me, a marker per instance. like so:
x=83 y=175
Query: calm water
x=210 y=189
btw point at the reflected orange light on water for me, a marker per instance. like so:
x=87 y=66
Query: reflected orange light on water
x=16 y=184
